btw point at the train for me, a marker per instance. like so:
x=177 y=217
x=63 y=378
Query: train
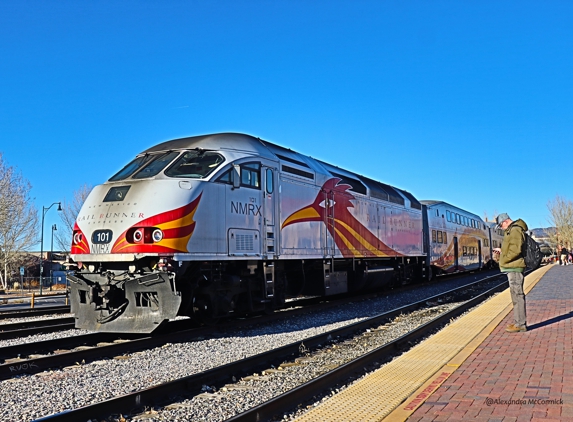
x=229 y=224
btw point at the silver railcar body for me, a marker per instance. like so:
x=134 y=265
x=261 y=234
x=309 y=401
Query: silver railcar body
x=458 y=240
x=209 y=225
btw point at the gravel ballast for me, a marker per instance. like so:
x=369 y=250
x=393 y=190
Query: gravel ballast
x=29 y=397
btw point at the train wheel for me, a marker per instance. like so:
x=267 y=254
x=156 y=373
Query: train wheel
x=203 y=310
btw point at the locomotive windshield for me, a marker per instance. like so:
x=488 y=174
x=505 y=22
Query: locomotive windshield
x=131 y=168
x=195 y=164
x=145 y=166
x=156 y=165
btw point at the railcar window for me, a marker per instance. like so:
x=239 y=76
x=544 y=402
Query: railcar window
x=131 y=168
x=195 y=164
x=445 y=237
x=458 y=219
x=155 y=166
x=434 y=236
x=225 y=178
x=251 y=175
x=270 y=186
x=440 y=238
x=448 y=216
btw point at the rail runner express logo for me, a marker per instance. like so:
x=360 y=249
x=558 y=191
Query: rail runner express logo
x=352 y=238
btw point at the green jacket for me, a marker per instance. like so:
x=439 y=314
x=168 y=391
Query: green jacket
x=511 y=258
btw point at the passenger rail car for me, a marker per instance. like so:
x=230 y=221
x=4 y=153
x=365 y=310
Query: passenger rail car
x=227 y=223
x=457 y=239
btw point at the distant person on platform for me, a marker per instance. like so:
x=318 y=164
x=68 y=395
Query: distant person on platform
x=511 y=261
x=564 y=256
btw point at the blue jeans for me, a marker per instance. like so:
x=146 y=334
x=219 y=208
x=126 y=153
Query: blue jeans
x=517 y=297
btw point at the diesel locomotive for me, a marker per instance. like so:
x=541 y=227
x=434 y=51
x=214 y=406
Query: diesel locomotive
x=221 y=224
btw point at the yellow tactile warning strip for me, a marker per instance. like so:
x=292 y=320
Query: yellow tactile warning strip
x=398 y=388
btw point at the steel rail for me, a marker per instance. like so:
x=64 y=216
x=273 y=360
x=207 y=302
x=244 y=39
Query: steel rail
x=289 y=400
x=45 y=310
x=43 y=327
x=26 y=349
x=221 y=375
x=33 y=323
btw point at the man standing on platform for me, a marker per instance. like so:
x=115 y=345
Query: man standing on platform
x=511 y=261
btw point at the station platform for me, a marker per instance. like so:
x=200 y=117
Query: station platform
x=474 y=370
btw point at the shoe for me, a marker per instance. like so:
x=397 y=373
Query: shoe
x=512 y=328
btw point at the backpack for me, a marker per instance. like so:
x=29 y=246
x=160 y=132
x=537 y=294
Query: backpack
x=531 y=252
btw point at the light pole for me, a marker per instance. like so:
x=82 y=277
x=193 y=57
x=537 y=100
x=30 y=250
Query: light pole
x=52 y=257
x=44 y=211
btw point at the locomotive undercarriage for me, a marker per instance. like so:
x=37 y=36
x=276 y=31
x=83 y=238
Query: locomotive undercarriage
x=216 y=289
x=107 y=297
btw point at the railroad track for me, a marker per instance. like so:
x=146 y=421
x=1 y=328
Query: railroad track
x=191 y=385
x=45 y=310
x=30 y=358
x=28 y=328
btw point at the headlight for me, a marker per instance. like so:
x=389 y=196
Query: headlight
x=78 y=237
x=157 y=235
x=138 y=235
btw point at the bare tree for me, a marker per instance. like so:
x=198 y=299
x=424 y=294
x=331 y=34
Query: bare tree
x=68 y=217
x=18 y=219
x=561 y=217
x=490 y=219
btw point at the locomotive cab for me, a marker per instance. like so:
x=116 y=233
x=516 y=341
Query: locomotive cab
x=141 y=257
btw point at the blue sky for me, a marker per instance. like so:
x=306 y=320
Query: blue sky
x=467 y=102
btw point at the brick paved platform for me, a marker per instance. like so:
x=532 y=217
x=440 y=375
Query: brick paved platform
x=516 y=376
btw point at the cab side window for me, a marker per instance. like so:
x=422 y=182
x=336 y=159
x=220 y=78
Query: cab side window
x=251 y=175
x=225 y=178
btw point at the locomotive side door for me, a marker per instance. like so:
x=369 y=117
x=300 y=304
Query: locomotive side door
x=270 y=233
x=382 y=229
x=330 y=244
x=456 y=253
x=245 y=209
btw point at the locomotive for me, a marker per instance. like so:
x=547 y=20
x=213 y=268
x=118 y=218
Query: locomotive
x=213 y=225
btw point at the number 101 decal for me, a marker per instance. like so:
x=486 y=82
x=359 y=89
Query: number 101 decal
x=100 y=237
